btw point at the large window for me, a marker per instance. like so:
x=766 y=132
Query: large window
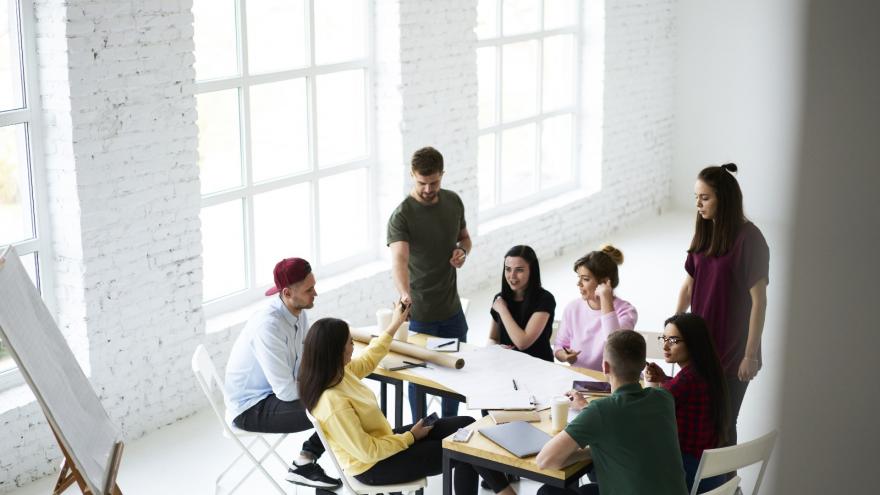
x=23 y=221
x=527 y=63
x=285 y=139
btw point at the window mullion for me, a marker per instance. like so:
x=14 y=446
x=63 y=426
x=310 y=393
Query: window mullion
x=499 y=99
x=246 y=156
x=539 y=129
x=311 y=90
x=578 y=117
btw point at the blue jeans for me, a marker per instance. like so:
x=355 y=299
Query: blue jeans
x=456 y=326
x=690 y=470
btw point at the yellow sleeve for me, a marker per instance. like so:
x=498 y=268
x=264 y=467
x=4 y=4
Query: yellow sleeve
x=364 y=364
x=344 y=427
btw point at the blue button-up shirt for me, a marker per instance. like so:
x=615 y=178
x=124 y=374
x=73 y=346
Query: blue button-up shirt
x=265 y=358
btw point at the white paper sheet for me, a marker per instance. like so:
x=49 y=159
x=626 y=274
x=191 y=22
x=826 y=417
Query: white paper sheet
x=491 y=369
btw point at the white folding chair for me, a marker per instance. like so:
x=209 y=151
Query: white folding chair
x=210 y=382
x=727 y=459
x=728 y=488
x=356 y=487
x=554 y=329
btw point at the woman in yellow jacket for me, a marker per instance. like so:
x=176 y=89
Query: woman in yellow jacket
x=359 y=434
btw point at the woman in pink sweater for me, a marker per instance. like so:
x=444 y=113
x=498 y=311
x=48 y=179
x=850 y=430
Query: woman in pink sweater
x=588 y=321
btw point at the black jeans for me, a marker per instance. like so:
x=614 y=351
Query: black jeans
x=453 y=327
x=736 y=392
x=591 y=489
x=588 y=489
x=273 y=415
x=425 y=458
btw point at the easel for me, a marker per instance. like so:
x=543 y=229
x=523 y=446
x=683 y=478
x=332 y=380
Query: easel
x=70 y=474
x=90 y=443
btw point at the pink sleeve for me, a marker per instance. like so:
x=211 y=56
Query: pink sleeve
x=624 y=317
x=563 y=336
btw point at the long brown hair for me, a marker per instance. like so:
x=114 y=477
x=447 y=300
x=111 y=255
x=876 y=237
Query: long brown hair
x=715 y=237
x=322 y=361
x=704 y=360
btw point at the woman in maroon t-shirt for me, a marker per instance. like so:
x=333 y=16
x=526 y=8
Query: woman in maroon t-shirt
x=726 y=283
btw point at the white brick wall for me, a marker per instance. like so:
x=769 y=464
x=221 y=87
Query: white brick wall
x=124 y=202
x=124 y=196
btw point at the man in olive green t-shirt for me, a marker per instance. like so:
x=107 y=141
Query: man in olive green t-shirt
x=429 y=241
x=632 y=434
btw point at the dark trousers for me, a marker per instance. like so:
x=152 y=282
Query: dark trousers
x=591 y=489
x=425 y=458
x=691 y=463
x=736 y=392
x=454 y=327
x=273 y=415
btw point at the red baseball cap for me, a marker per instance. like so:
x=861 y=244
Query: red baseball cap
x=288 y=272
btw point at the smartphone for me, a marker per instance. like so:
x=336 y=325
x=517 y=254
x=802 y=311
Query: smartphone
x=589 y=386
x=430 y=420
x=462 y=435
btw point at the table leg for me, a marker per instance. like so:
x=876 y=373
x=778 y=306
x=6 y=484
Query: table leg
x=421 y=403
x=398 y=405
x=383 y=398
x=447 y=474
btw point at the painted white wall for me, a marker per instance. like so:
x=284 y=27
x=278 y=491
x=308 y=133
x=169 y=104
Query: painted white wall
x=737 y=99
x=829 y=429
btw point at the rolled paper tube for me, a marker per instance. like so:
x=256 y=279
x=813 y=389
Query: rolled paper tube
x=406 y=349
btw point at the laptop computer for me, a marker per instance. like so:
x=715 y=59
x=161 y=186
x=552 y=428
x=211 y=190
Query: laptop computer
x=517 y=437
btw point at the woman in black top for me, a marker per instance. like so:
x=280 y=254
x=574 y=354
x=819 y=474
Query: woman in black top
x=522 y=314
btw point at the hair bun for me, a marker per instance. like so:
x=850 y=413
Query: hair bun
x=730 y=167
x=615 y=254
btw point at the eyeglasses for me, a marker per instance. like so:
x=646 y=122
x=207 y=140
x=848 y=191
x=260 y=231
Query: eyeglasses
x=663 y=340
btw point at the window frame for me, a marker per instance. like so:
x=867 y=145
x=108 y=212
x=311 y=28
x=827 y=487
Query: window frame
x=248 y=189
x=498 y=42
x=31 y=116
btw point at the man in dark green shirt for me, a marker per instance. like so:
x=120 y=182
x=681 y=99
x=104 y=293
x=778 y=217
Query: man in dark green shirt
x=429 y=241
x=632 y=434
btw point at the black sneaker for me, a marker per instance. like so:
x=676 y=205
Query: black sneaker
x=313 y=475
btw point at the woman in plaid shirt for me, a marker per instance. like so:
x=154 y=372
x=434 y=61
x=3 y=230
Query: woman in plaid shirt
x=699 y=388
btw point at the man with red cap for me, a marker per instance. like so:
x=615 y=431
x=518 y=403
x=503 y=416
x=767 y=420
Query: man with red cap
x=263 y=369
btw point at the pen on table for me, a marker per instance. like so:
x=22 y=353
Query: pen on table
x=403 y=367
x=415 y=364
x=447 y=343
x=514 y=384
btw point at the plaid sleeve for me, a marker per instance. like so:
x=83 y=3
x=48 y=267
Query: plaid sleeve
x=693 y=412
